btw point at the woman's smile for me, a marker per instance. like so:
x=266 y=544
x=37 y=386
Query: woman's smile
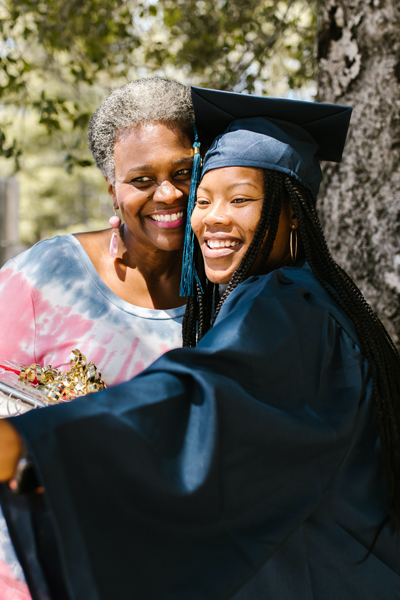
x=217 y=246
x=168 y=219
x=153 y=169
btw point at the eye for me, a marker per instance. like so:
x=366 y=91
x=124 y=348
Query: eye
x=202 y=202
x=244 y=200
x=143 y=179
x=183 y=173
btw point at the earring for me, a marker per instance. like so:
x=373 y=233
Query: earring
x=114 y=222
x=293 y=243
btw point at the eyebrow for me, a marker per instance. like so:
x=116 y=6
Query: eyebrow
x=230 y=186
x=175 y=163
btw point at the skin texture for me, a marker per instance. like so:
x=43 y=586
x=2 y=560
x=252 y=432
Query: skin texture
x=228 y=208
x=10 y=450
x=152 y=177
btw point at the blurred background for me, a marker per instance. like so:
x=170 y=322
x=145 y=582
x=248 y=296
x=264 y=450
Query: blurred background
x=60 y=58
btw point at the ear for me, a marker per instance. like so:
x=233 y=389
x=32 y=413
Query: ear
x=112 y=192
x=290 y=214
x=288 y=211
x=293 y=220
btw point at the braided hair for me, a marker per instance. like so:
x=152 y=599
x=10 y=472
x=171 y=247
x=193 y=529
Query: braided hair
x=378 y=347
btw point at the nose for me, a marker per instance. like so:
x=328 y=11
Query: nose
x=167 y=192
x=216 y=215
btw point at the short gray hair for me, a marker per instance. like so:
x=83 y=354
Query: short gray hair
x=142 y=101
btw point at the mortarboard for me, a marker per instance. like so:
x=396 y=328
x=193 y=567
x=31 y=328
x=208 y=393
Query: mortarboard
x=290 y=136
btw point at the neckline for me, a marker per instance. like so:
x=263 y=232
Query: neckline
x=140 y=311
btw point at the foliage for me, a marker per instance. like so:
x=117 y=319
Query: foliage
x=59 y=59
x=51 y=52
x=238 y=45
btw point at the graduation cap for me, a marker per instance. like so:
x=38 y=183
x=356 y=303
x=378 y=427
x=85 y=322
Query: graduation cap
x=326 y=123
x=290 y=136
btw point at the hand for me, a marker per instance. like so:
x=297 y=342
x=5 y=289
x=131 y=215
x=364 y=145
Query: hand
x=10 y=450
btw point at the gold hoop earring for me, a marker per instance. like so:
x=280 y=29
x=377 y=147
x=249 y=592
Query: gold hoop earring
x=293 y=244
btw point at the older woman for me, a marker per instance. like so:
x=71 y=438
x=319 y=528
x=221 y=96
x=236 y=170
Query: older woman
x=114 y=294
x=248 y=466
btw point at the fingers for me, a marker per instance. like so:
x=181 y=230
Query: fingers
x=11 y=448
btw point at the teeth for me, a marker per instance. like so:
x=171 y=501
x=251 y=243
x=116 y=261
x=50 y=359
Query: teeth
x=221 y=243
x=167 y=218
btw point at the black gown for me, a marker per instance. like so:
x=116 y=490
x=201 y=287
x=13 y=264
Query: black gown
x=248 y=467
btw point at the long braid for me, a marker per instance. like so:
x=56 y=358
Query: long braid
x=199 y=311
x=379 y=349
x=189 y=323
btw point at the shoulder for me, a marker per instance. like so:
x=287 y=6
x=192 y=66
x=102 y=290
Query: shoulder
x=95 y=244
x=287 y=282
x=293 y=286
x=282 y=335
x=59 y=255
x=291 y=295
x=41 y=252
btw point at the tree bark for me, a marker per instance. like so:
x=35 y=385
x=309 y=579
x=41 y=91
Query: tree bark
x=358 y=50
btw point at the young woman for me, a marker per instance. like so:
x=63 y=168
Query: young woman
x=263 y=462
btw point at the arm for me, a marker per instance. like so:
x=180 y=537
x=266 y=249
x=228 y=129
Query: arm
x=17 y=346
x=201 y=467
x=10 y=450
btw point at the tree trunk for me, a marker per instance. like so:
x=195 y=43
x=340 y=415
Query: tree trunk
x=359 y=65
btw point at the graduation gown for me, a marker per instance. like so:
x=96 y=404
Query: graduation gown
x=248 y=467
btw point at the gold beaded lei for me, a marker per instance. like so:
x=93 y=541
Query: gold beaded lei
x=83 y=378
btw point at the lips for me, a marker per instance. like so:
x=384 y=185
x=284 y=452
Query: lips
x=213 y=244
x=216 y=248
x=168 y=220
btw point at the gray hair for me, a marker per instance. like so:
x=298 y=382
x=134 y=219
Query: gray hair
x=142 y=101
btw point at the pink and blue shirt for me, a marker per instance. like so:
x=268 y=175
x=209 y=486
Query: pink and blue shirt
x=52 y=301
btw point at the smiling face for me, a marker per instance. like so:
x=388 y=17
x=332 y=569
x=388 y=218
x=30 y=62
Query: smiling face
x=152 y=180
x=226 y=216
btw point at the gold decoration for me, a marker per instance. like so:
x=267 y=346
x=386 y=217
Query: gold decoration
x=82 y=378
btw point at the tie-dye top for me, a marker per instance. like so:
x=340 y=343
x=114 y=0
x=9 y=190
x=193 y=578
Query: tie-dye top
x=53 y=300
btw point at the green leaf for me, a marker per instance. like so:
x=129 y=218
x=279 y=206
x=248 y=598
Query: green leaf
x=81 y=120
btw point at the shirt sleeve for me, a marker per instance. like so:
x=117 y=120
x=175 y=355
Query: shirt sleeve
x=17 y=317
x=201 y=467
